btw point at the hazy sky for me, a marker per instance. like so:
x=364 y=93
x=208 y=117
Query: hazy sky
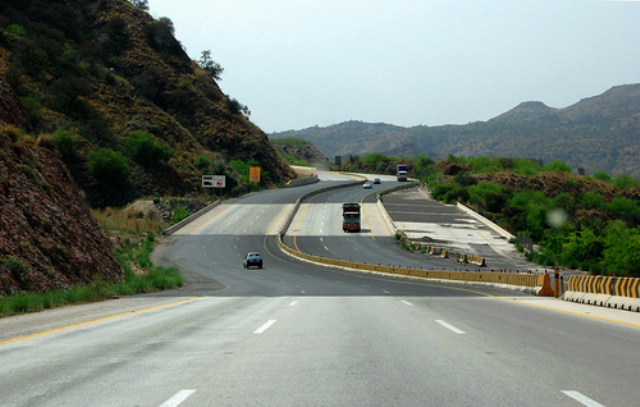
x=301 y=63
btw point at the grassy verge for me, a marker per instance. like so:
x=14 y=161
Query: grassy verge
x=140 y=275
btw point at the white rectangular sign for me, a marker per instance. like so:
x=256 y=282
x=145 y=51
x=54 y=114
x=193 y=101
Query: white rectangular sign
x=213 y=181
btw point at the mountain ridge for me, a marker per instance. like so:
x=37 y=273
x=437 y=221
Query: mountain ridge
x=598 y=133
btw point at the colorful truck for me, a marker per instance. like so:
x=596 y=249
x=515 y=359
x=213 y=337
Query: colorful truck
x=351 y=217
x=402 y=170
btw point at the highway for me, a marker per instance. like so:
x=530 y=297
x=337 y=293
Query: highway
x=301 y=334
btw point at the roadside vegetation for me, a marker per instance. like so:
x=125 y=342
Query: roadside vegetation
x=134 y=236
x=285 y=144
x=590 y=223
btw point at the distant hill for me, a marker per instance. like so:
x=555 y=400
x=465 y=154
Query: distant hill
x=600 y=133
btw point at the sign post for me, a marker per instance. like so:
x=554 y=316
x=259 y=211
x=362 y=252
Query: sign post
x=214 y=181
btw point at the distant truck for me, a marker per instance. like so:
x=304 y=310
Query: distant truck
x=351 y=217
x=402 y=170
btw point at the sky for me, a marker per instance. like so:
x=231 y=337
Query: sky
x=301 y=63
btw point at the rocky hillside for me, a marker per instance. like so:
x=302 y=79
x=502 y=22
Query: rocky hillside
x=116 y=89
x=49 y=238
x=300 y=152
x=601 y=133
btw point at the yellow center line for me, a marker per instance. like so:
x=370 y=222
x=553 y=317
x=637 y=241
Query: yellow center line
x=97 y=320
x=295 y=234
x=365 y=217
x=566 y=311
x=271 y=227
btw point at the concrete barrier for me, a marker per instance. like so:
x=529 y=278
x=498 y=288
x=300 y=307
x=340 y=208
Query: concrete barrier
x=485 y=221
x=472 y=259
x=604 y=291
x=303 y=181
x=184 y=222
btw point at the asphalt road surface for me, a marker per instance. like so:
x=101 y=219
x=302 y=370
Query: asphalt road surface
x=300 y=334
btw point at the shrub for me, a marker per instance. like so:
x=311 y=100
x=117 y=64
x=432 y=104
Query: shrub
x=179 y=213
x=526 y=166
x=16 y=30
x=12 y=132
x=625 y=182
x=465 y=179
x=458 y=193
x=145 y=149
x=203 y=162
x=47 y=141
x=108 y=166
x=558 y=167
x=602 y=176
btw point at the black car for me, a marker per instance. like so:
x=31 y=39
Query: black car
x=376 y=180
x=252 y=259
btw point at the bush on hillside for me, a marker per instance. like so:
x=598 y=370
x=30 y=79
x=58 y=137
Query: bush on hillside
x=109 y=167
x=145 y=149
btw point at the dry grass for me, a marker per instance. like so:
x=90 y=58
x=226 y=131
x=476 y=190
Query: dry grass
x=128 y=224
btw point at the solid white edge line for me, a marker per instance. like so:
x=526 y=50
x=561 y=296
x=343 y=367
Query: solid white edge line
x=265 y=326
x=178 y=398
x=451 y=327
x=407 y=303
x=582 y=399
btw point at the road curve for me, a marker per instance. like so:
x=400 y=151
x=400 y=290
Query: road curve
x=296 y=333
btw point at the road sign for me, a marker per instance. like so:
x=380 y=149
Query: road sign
x=213 y=181
x=254 y=174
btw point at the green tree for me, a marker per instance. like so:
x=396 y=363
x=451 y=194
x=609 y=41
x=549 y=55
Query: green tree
x=376 y=160
x=210 y=66
x=140 y=4
x=622 y=249
x=583 y=246
x=592 y=200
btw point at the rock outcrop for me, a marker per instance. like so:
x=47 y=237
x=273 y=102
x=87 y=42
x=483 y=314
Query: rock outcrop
x=48 y=237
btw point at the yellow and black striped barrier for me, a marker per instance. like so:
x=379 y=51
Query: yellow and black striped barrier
x=606 y=291
x=541 y=283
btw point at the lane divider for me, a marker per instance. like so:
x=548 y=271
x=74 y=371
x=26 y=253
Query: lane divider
x=178 y=398
x=582 y=399
x=450 y=327
x=265 y=326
